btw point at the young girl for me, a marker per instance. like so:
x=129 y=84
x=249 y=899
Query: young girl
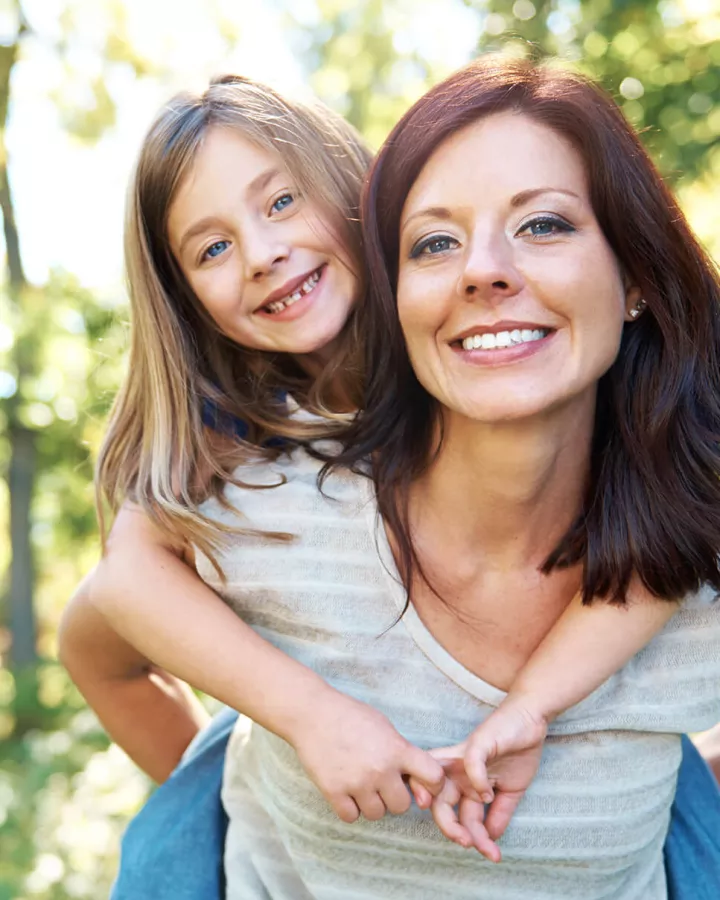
x=244 y=267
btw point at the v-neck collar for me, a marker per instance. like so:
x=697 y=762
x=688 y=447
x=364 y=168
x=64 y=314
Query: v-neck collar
x=412 y=622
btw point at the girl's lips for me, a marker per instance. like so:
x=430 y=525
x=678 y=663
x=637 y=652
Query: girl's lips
x=299 y=307
x=502 y=355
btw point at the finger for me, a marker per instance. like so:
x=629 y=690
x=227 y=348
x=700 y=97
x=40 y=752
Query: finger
x=471 y=815
x=396 y=796
x=345 y=807
x=455 y=769
x=467 y=790
x=446 y=818
x=501 y=812
x=371 y=805
x=421 y=766
x=456 y=751
x=422 y=795
x=476 y=768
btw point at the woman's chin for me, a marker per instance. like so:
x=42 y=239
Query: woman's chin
x=507 y=410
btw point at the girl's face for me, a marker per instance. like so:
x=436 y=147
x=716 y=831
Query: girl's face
x=262 y=259
x=511 y=301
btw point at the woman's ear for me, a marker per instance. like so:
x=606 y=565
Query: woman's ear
x=634 y=303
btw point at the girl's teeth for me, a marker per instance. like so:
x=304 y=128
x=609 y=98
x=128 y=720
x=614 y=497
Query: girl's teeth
x=503 y=339
x=279 y=305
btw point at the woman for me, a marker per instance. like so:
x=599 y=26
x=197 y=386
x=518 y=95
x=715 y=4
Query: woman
x=152 y=268
x=518 y=426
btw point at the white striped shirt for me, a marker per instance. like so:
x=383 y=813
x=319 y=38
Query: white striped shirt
x=591 y=826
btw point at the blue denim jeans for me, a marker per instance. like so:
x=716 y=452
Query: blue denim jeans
x=172 y=850
x=692 y=847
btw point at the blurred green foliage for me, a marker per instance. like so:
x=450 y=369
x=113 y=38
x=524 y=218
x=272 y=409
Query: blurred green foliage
x=64 y=793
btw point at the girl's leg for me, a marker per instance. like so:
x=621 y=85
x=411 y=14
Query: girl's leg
x=173 y=848
x=692 y=848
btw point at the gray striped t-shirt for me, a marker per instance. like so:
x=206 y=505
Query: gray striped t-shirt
x=592 y=824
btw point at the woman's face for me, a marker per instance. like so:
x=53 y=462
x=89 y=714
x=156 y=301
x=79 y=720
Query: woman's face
x=262 y=259
x=511 y=301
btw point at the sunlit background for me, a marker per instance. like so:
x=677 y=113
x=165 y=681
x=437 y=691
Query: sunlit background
x=79 y=82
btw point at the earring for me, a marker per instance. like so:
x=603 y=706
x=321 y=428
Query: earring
x=638 y=308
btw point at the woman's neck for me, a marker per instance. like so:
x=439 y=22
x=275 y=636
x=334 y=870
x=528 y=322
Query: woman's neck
x=506 y=493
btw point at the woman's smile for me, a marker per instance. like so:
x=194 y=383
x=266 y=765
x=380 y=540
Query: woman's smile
x=501 y=344
x=510 y=299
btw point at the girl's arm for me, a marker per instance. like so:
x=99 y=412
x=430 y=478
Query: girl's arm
x=708 y=743
x=157 y=605
x=586 y=646
x=146 y=711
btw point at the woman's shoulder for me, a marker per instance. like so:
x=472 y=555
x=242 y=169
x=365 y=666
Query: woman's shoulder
x=288 y=483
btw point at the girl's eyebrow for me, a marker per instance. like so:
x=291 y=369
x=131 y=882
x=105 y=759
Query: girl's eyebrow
x=196 y=229
x=263 y=179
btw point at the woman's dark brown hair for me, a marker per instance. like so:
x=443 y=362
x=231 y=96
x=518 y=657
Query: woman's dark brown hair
x=652 y=504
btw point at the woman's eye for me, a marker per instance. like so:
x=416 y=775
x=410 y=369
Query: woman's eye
x=282 y=202
x=215 y=249
x=431 y=246
x=546 y=226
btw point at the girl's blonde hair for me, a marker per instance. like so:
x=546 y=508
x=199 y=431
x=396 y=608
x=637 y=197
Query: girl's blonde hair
x=156 y=443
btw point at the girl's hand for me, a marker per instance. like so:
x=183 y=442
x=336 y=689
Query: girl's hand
x=460 y=815
x=495 y=765
x=360 y=762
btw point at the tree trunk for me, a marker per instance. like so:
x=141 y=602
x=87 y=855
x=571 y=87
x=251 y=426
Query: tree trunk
x=21 y=478
x=21 y=473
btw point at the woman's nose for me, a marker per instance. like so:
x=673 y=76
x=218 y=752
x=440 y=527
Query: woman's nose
x=490 y=272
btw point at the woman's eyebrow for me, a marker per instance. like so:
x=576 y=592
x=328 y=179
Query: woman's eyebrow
x=442 y=212
x=526 y=196
x=430 y=212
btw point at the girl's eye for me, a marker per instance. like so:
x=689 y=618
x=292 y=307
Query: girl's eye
x=546 y=226
x=432 y=245
x=282 y=202
x=215 y=250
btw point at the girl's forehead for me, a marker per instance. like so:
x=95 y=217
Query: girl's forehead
x=228 y=153
x=228 y=169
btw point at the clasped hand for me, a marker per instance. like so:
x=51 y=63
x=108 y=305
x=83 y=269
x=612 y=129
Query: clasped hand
x=363 y=766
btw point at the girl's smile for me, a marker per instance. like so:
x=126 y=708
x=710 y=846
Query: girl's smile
x=292 y=300
x=260 y=257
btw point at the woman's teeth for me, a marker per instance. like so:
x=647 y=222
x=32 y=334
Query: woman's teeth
x=279 y=305
x=502 y=339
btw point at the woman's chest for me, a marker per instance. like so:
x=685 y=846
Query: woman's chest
x=492 y=624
